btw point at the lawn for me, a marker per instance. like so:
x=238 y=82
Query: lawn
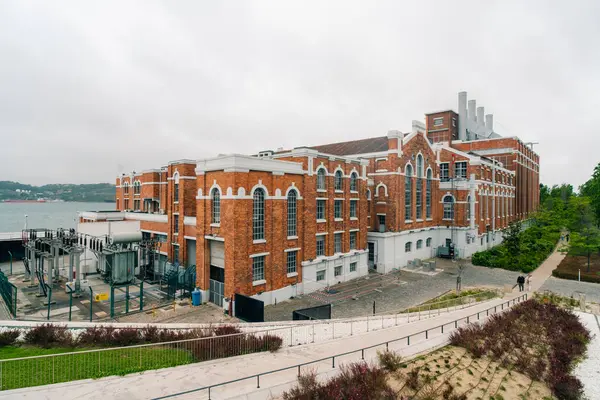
x=571 y=265
x=452 y=299
x=82 y=365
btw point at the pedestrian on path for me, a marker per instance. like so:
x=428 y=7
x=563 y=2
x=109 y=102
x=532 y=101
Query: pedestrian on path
x=521 y=282
x=529 y=277
x=567 y=238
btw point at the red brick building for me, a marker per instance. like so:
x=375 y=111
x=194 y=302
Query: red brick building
x=280 y=224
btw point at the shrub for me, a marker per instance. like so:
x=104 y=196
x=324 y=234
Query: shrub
x=226 y=330
x=356 y=381
x=9 y=337
x=49 y=335
x=412 y=379
x=389 y=360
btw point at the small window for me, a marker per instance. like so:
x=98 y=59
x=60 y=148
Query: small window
x=338 y=182
x=448 y=207
x=337 y=210
x=438 y=121
x=320 y=275
x=444 y=172
x=175 y=223
x=454 y=122
x=353 y=182
x=353 y=213
x=337 y=270
x=175 y=254
x=126 y=188
x=460 y=169
x=352 y=240
x=381 y=220
x=320 y=209
x=337 y=241
x=419 y=244
x=291 y=261
x=428 y=242
x=321 y=179
x=258 y=268
x=353 y=267
x=408 y=247
x=216 y=206
x=320 y=246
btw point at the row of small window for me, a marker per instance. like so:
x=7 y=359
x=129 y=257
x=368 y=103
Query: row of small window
x=460 y=171
x=258 y=267
x=137 y=187
x=136 y=204
x=439 y=121
x=337 y=243
x=337 y=209
x=408 y=245
x=338 y=182
x=337 y=271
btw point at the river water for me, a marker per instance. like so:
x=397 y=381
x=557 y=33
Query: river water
x=45 y=215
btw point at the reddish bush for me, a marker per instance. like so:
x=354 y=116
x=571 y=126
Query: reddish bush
x=226 y=330
x=48 y=335
x=9 y=337
x=356 y=381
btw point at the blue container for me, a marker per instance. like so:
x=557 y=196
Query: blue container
x=196 y=297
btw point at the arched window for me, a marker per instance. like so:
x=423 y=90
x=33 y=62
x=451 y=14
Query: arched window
x=408 y=192
x=368 y=203
x=291 y=213
x=468 y=213
x=419 y=188
x=176 y=187
x=419 y=244
x=353 y=182
x=321 y=182
x=126 y=188
x=337 y=180
x=258 y=214
x=428 y=242
x=408 y=247
x=428 y=194
x=448 y=207
x=215 y=196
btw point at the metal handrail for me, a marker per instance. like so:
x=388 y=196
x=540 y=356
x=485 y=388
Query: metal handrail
x=362 y=350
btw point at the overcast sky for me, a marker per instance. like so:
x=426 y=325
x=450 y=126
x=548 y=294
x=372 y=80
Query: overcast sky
x=88 y=86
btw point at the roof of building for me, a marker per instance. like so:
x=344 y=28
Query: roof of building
x=361 y=146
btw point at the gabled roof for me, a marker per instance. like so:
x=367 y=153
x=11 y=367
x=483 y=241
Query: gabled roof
x=362 y=146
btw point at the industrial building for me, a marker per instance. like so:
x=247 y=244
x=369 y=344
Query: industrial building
x=282 y=223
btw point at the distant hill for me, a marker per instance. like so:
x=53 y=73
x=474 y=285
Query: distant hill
x=94 y=192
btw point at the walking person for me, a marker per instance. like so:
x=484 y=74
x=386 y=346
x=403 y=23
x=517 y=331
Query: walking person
x=521 y=282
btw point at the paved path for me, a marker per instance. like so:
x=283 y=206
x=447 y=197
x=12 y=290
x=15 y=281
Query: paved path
x=588 y=371
x=568 y=288
x=170 y=381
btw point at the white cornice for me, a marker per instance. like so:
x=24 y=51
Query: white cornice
x=242 y=163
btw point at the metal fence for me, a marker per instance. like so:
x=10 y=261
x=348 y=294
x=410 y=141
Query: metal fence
x=65 y=367
x=426 y=333
x=8 y=291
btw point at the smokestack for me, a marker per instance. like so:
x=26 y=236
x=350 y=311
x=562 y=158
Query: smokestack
x=489 y=123
x=462 y=116
x=472 y=107
x=480 y=121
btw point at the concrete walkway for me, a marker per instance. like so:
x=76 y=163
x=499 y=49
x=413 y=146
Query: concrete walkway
x=176 y=381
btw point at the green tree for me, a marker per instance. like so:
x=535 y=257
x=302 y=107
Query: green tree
x=585 y=242
x=512 y=240
x=591 y=189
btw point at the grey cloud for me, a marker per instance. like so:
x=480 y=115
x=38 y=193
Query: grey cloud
x=87 y=86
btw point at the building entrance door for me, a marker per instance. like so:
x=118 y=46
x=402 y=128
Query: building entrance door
x=217 y=273
x=372 y=256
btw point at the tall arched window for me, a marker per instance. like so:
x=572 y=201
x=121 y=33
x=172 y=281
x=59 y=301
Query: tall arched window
x=353 y=182
x=338 y=183
x=321 y=182
x=368 y=202
x=468 y=213
x=428 y=194
x=291 y=213
x=408 y=193
x=126 y=188
x=176 y=187
x=419 y=189
x=216 y=206
x=258 y=214
x=448 y=207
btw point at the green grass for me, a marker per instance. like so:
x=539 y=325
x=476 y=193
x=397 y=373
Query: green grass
x=452 y=299
x=65 y=368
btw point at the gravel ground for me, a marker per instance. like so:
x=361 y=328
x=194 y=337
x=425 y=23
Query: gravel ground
x=393 y=294
x=588 y=371
x=569 y=288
